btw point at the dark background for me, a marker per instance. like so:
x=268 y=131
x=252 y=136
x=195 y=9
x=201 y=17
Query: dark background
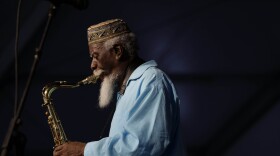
x=222 y=55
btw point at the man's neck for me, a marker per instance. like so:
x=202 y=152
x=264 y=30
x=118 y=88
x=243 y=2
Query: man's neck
x=132 y=65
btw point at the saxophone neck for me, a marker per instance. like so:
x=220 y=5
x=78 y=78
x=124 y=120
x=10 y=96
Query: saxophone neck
x=51 y=87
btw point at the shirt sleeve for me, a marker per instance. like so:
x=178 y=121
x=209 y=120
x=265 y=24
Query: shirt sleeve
x=147 y=130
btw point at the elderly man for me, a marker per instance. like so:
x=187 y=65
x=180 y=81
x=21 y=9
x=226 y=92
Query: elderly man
x=146 y=118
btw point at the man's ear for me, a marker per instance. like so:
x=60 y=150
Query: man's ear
x=119 y=51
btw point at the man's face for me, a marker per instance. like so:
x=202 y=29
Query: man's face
x=103 y=63
x=103 y=60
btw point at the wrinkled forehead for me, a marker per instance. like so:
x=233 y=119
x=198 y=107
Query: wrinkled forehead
x=96 y=45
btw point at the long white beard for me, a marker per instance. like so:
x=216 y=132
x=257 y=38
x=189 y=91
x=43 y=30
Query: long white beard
x=107 y=90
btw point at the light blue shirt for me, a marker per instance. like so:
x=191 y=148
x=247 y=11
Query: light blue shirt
x=146 y=118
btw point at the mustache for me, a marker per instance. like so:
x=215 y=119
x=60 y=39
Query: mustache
x=99 y=72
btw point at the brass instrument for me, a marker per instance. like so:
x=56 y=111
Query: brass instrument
x=57 y=131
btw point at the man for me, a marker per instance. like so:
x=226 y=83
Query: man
x=146 y=118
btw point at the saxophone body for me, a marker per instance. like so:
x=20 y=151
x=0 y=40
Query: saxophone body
x=54 y=122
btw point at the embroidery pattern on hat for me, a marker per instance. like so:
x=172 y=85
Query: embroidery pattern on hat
x=106 y=30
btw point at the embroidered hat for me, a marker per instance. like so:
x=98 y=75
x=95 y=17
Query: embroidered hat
x=106 y=30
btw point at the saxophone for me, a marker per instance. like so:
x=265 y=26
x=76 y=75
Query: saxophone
x=57 y=131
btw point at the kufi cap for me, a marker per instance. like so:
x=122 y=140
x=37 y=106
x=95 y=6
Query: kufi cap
x=106 y=30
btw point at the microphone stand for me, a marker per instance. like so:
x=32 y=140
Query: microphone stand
x=13 y=134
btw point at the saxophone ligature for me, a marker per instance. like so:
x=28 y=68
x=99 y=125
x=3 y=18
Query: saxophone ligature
x=57 y=130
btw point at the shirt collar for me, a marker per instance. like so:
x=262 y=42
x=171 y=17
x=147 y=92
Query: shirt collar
x=138 y=72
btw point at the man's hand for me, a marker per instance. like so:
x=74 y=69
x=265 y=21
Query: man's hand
x=70 y=149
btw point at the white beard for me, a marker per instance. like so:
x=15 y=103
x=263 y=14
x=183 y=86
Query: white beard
x=108 y=86
x=107 y=90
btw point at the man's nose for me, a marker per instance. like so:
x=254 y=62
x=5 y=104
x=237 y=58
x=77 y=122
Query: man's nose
x=93 y=65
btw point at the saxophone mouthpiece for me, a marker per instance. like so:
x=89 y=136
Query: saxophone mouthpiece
x=92 y=79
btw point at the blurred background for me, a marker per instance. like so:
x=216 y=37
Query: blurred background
x=222 y=55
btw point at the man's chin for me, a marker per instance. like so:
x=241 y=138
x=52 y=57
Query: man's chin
x=103 y=76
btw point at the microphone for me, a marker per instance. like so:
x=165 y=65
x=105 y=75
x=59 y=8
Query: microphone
x=79 y=4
